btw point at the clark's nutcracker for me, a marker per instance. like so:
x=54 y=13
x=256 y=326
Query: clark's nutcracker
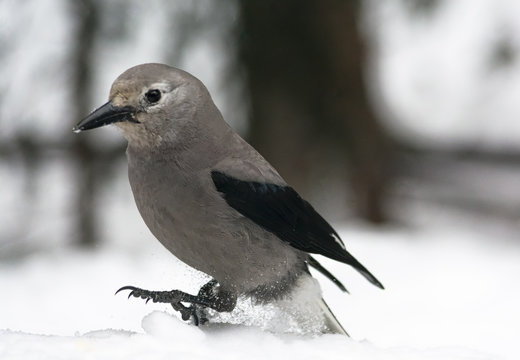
x=212 y=200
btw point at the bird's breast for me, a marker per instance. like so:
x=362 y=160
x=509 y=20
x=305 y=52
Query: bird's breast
x=190 y=218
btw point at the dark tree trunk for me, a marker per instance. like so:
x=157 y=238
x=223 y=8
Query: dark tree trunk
x=86 y=12
x=303 y=61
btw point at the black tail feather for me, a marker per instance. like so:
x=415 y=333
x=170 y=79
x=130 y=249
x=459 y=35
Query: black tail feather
x=363 y=271
x=315 y=264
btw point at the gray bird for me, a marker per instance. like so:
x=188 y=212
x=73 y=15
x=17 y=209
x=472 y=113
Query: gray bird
x=212 y=200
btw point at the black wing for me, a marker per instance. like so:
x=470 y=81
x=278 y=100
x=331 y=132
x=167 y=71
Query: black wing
x=280 y=210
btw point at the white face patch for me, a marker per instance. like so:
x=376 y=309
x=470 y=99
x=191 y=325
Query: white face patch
x=161 y=90
x=164 y=87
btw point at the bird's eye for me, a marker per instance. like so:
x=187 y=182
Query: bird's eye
x=153 y=96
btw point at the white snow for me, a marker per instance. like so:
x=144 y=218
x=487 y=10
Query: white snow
x=450 y=294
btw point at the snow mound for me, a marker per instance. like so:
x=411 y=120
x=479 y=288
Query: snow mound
x=167 y=337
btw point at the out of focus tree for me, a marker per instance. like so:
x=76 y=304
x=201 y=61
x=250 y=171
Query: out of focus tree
x=93 y=162
x=309 y=106
x=87 y=14
x=302 y=65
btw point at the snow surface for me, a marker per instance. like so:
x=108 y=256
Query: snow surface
x=450 y=294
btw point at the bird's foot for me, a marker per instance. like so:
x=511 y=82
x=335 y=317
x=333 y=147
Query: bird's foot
x=175 y=298
x=209 y=296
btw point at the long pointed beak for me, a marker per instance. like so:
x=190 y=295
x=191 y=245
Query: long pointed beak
x=105 y=115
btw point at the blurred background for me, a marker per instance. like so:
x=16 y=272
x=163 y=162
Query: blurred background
x=398 y=120
x=399 y=112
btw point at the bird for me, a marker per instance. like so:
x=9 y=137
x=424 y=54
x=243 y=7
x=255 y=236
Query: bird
x=213 y=201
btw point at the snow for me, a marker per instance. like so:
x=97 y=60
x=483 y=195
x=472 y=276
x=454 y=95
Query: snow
x=450 y=294
x=167 y=338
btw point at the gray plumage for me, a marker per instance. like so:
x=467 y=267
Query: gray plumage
x=200 y=189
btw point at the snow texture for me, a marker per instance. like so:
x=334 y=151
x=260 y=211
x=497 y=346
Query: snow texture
x=450 y=295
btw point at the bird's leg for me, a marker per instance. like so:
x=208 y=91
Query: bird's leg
x=208 y=296
x=218 y=298
x=174 y=297
x=207 y=291
x=209 y=288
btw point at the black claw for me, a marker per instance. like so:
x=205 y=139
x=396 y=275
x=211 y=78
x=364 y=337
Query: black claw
x=185 y=316
x=125 y=288
x=195 y=316
x=135 y=292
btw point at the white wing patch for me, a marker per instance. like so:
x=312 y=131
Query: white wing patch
x=338 y=240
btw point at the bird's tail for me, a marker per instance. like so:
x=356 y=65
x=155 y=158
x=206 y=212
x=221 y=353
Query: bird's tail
x=332 y=325
x=308 y=312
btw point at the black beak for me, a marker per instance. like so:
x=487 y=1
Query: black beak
x=104 y=115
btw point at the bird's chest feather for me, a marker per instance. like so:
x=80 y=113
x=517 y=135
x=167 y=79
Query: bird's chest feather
x=166 y=194
x=186 y=213
x=179 y=207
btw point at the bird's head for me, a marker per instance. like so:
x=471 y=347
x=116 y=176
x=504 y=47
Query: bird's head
x=150 y=102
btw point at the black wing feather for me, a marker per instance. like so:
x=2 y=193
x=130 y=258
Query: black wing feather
x=315 y=264
x=280 y=210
